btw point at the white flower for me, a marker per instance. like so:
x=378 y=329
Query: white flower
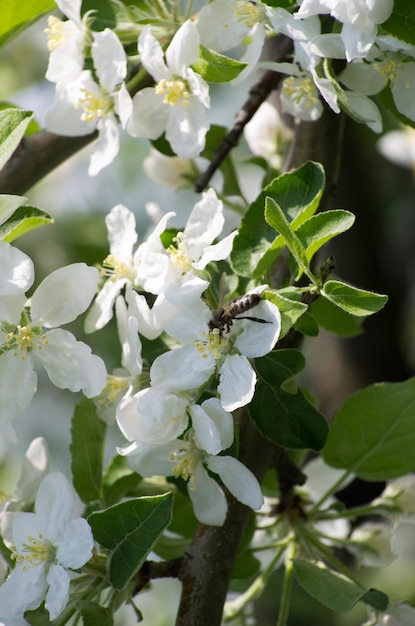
x=265 y=133
x=189 y=458
x=168 y=171
x=396 y=615
x=82 y=105
x=46 y=544
x=146 y=267
x=400 y=493
x=178 y=103
x=207 y=351
x=68 y=362
x=360 y=19
x=399 y=147
x=66 y=42
x=13 y=603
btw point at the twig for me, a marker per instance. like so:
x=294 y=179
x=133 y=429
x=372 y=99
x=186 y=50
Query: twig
x=257 y=95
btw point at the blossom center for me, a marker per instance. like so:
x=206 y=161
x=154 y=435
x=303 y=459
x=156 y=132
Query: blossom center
x=248 y=13
x=213 y=345
x=187 y=461
x=174 y=91
x=94 y=105
x=300 y=90
x=24 y=339
x=58 y=32
x=388 y=67
x=36 y=552
x=114 y=268
x=179 y=255
x=116 y=385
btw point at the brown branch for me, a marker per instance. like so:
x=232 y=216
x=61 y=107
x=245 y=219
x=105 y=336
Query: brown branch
x=257 y=95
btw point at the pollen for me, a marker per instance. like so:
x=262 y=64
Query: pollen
x=213 y=345
x=94 y=105
x=114 y=268
x=35 y=552
x=25 y=339
x=115 y=386
x=58 y=32
x=388 y=67
x=302 y=90
x=187 y=460
x=174 y=91
x=248 y=13
x=179 y=255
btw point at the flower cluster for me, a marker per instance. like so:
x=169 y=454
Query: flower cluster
x=178 y=104
x=165 y=411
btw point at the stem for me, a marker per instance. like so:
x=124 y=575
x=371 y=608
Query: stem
x=288 y=581
x=232 y=609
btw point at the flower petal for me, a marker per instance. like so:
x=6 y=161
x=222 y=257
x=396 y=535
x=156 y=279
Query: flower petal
x=183 y=49
x=257 y=339
x=18 y=383
x=107 y=145
x=152 y=56
x=205 y=223
x=75 y=547
x=110 y=60
x=17 y=271
x=186 y=128
x=122 y=235
x=207 y=435
x=237 y=382
x=59 y=298
x=181 y=369
x=238 y=479
x=208 y=500
x=58 y=593
x=101 y=310
x=71 y=365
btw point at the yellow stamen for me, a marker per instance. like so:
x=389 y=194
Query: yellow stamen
x=58 y=32
x=94 y=105
x=174 y=91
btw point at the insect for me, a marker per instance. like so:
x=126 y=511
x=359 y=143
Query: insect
x=223 y=316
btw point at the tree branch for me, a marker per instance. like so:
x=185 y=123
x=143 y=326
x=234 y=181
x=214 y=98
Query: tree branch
x=257 y=95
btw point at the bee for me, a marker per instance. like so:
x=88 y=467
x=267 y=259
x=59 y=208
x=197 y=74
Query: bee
x=223 y=316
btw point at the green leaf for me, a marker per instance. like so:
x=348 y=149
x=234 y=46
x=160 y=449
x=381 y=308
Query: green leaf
x=401 y=23
x=318 y=229
x=23 y=220
x=307 y=325
x=215 y=67
x=335 y=320
x=285 y=418
x=378 y=599
x=276 y=218
x=353 y=300
x=87 y=449
x=17 y=15
x=330 y=588
x=119 y=481
x=373 y=432
x=130 y=529
x=289 y=305
x=95 y=615
x=297 y=193
x=13 y=124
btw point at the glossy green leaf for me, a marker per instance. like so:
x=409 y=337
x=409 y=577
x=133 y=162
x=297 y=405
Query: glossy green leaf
x=130 y=529
x=373 y=432
x=87 y=450
x=401 y=24
x=276 y=218
x=330 y=588
x=95 y=615
x=23 y=220
x=297 y=194
x=284 y=417
x=335 y=320
x=13 y=124
x=17 y=15
x=318 y=229
x=289 y=305
x=353 y=300
x=215 y=67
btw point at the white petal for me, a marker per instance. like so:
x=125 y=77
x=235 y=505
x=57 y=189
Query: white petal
x=34 y=468
x=207 y=435
x=153 y=460
x=366 y=109
x=181 y=369
x=58 y=593
x=109 y=58
x=16 y=270
x=54 y=504
x=11 y=308
x=122 y=235
x=66 y=62
x=130 y=341
x=71 y=365
x=205 y=223
x=186 y=289
x=18 y=383
x=402 y=89
x=75 y=547
x=152 y=56
x=183 y=49
x=257 y=339
x=186 y=128
x=149 y=115
x=147 y=322
x=101 y=310
x=185 y=322
x=208 y=499
x=71 y=8
x=222 y=419
x=152 y=416
x=107 y=145
x=64 y=117
x=216 y=252
x=237 y=382
x=63 y=295
x=238 y=479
